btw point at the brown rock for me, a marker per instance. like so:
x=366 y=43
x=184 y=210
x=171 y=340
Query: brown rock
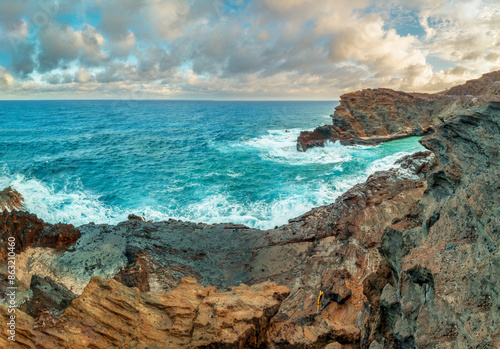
x=333 y=284
x=108 y=314
x=135 y=274
x=10 y=200
x=29 y=230
x=373 y=116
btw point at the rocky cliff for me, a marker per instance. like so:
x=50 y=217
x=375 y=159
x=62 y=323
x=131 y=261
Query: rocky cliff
x=373 y=116
x=408 y=259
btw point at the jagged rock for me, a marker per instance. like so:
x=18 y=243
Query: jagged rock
x=135 y=274
x=337 y=243
x=133 y=217
x=333 y=284
x=47 y=295
x=372 y=116
x=384 y=241
x=447 y=295
x=315 y=138
x=29 y=230
x=10 y=200
x=109 y=314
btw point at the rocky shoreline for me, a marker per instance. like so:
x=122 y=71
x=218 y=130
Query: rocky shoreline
x=408 y=259
x=373 y=116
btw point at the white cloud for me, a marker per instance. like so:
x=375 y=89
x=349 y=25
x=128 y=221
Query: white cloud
x=5 y=78
x=83 y=76
x=267 y=48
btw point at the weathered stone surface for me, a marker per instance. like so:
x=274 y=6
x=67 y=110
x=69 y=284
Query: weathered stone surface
x=135 y=274
x=47 y=295
x=10 y=200
x=446 y=272
x=111 y=315
x=29 y=230
x=407 y=259
x=373 y=116
x=332 y=248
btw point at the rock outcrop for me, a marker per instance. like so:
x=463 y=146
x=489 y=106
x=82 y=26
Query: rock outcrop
x=330 y=249
x=28 y=230
x=441 y=285
x=373 y=116
x=10 y=199
x=47 y=295
x=111 y=315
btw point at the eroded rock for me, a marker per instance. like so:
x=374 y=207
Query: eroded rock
x=372 y=116
x=10 y=199
x=109 y=314
x=29 y=230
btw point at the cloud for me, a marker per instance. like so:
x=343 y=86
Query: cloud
x=61 y=44
x=11 y=13
x=83 y=76
x=239 y=49
x=366 y=42
x=5 y=78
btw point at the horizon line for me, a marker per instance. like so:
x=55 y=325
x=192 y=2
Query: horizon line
x=168 y=100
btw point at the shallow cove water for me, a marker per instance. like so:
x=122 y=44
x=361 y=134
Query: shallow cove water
x=202 y=161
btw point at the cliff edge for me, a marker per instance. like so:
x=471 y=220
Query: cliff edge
x=372 y=116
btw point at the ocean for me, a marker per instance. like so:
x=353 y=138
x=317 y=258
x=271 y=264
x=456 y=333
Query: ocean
x=201 y=161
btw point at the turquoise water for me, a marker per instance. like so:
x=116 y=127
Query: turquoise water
x=83 y=161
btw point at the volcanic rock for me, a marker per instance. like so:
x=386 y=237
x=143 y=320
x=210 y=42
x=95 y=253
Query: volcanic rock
x=408 y=259
x=372 y=116
x=10 y=200
x=434 y=295
x=47 y=295
x=29 y=230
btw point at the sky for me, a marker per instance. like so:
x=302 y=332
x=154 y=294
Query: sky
x=241 y=49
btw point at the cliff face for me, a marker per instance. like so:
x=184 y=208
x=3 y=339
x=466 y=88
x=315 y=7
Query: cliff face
x=373 y=116
x=441 y=285
x=111 y=315
x=487 y=88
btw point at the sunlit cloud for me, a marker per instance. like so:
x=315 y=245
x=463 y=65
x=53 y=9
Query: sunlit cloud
x=242 y=49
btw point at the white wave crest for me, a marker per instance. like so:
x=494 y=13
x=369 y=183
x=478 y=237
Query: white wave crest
x=281 y=146
x=76 y=207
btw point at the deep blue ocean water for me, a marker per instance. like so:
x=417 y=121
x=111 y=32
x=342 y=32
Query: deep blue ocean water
x=203 y=161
